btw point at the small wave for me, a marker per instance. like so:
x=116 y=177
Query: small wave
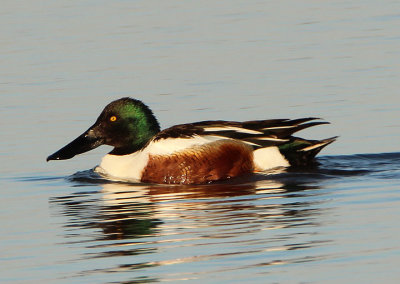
x=382 y=165
x=88 y=176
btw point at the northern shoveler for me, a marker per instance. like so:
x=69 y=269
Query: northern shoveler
x=193 y=153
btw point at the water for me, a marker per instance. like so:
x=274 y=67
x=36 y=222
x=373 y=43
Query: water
x=62 y=62
x=279 y=228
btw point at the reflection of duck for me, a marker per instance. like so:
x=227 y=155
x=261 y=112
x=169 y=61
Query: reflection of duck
x=204 y=204
x=193 y=153
x=156 y=225
x=134 y=210
x=126 y=211
x=171 y=204
x=120 y=193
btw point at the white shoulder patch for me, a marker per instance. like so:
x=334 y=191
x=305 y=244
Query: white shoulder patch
x=269 y=158
x=170 y=145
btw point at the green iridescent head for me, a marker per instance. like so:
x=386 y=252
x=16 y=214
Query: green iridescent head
x=126 y=124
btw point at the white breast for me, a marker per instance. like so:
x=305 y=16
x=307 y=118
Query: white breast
x=126 y=167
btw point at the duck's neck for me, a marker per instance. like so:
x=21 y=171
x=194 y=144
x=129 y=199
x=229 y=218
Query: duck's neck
x=120 y=151
x=135 y=145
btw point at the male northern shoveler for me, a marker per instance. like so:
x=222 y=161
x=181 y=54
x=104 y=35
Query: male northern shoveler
x=194 y=153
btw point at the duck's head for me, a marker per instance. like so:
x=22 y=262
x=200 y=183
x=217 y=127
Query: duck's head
x=126 y=124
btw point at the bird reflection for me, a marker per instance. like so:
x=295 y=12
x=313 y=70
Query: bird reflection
x=129 y=211
x=141 y=219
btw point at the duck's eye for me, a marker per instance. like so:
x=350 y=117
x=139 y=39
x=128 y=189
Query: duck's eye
x=113 y=118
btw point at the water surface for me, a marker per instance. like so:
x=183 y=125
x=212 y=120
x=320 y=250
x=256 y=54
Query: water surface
x=278 y=228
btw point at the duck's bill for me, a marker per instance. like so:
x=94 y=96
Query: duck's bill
x=85 y=142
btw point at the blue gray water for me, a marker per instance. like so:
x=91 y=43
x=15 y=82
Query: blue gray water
x=63 y=61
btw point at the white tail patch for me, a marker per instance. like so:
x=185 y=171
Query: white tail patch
x=237 y=129
x=269 y=158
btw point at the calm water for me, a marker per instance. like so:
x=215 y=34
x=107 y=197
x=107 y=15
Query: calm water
x=63 y=61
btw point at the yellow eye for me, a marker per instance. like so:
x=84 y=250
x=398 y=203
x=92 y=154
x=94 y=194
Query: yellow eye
x=113 y=118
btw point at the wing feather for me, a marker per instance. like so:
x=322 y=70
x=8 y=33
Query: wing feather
x=257 y=133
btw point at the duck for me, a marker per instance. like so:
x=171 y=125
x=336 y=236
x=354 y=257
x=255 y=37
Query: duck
x=192 y=153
